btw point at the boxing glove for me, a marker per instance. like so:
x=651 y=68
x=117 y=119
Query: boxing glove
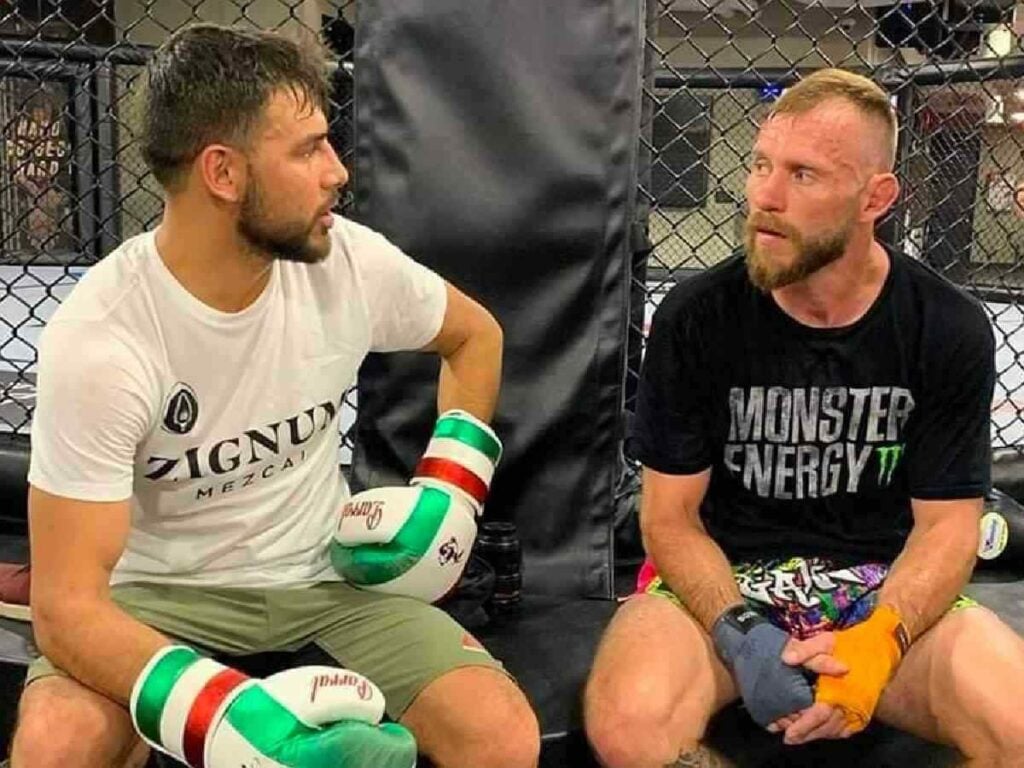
x=415 y=541
x=208 y=715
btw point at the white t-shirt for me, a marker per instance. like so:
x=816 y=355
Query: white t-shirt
x=221 y=428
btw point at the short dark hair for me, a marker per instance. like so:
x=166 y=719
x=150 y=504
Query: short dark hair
x=209 y=83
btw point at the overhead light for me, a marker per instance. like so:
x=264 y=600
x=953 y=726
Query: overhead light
x=999 y=41
x=1017 y=117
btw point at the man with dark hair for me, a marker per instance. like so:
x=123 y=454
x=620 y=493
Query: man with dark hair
x=813 y=420
x=186 y=505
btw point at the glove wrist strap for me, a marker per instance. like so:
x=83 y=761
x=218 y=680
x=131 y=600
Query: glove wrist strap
x=730 y=629
x=462 y=455
x=891 y=618
x=741 y=618
x=178 y=697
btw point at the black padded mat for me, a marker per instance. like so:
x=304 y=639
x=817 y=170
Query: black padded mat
x=13 y=549
x=549 y=648
x=529 y=212
x=1004 y=594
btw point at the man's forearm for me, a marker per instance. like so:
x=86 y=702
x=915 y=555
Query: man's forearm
x=471 y=376
x=96 y=643
x=696 y=570
x=930 y=572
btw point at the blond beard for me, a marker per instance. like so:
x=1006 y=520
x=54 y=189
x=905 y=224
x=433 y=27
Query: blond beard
x=811 y=256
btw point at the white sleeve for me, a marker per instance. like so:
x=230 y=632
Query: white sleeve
x=91 y=412
x=405 y=300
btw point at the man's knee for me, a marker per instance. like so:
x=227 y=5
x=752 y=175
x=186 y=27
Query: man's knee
x=976 y=681
x=638 y=721
x=475 y=717
x=1010 y=739
x=508 y=740
x=62 y=724
x=997 y=738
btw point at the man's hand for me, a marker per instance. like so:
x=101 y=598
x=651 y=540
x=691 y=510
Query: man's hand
x=872 y=650
x=211 y=716
x=404 y=541
x=820 y=720
x=845 y=701
x=415 y=541
x=751 y=647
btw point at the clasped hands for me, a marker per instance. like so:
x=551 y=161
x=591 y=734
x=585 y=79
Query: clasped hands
x=774 y=672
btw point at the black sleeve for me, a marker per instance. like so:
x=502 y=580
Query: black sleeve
x=949 y=446
x=669 y=431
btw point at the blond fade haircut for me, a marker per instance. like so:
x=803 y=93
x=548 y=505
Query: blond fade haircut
x=863 y=94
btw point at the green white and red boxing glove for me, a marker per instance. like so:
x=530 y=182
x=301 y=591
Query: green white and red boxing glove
x=416 y=540
x=461 y=457
x=208 y=715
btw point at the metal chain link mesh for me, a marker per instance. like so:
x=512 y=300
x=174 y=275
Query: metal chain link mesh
x=72 y=181
x=954 y=71
x=73 y=185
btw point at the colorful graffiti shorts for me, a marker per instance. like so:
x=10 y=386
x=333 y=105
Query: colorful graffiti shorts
x=801 y=595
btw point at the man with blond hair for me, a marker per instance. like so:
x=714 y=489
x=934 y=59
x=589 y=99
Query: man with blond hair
x=813 y=422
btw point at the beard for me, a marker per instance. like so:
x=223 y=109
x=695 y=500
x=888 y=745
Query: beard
x=809 y=254
x=287 y=241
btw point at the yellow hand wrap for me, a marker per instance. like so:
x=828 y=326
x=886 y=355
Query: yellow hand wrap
x=870 y=650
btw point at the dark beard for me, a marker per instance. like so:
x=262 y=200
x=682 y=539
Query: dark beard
x=288 y=242
x=811 y=255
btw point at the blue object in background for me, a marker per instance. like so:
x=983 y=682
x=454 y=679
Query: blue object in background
x=769 y=92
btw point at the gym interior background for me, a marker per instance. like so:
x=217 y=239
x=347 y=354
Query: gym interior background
x=73 y=186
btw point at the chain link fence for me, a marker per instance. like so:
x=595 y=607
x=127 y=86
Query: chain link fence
x=73 y=186
x=72 y=181
x=955 y=71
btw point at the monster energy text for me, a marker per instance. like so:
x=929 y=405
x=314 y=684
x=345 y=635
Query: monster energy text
x=811 y=442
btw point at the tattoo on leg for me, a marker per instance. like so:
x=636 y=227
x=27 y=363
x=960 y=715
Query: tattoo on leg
x=701 y=757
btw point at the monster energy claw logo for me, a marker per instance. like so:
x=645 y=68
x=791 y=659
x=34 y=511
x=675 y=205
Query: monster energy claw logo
x=888 y=457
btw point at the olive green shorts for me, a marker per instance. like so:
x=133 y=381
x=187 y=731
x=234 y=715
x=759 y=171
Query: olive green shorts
x=399 y=643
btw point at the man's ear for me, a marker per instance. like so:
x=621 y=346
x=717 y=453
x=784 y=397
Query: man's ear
x=883 y=189
x=223 y=171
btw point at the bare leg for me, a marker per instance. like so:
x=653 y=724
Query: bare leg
x=961 y=684
x=63 y=724
x=655 y=684
x=474 y=717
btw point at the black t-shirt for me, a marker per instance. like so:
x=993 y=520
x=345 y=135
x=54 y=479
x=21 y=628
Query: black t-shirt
x=817 y=439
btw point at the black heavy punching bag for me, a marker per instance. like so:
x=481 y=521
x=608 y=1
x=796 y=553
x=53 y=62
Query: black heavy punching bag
x=1001 y=545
